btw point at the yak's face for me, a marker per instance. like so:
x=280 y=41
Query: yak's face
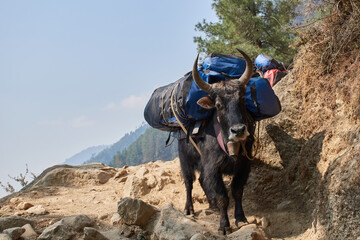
x=228 y=97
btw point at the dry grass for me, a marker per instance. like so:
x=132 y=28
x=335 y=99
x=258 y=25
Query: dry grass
x=327 y=67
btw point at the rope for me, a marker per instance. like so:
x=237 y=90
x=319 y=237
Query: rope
x=257 y=145
x=177 y=119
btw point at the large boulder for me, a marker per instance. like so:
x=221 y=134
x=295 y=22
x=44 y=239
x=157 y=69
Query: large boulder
x=135 y=212
x=173 y=225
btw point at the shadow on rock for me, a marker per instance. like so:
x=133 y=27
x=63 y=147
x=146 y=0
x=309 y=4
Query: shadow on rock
x=286 y=196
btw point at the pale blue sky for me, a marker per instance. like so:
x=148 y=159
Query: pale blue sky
x=75 y=74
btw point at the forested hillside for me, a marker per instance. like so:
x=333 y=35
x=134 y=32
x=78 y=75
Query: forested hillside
x=106 y=156
x=148 y=147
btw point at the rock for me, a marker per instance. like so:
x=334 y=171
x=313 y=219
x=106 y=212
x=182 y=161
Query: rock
x=4 y=236
x=264 y=222
x=115 y=219
x=252 y=219
x=121 y=173
x=114 y=234
x=6 y=209
x=103 y=216
x=93 y=234
x=15 y=232
x=37 y=210
x=24 y=206
x=78 y=223
x=29 y=233
x=141 y=172
x=135 y=212
x=57 y=231
x=66 y=228
x=152 y=182
x=173 y=225
x=103 y=177
x=198 y=236
x=13 y=221
x=135 y=187
x=249 y=232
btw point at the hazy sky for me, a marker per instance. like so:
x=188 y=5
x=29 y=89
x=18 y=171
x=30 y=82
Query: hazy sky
x=75 y=74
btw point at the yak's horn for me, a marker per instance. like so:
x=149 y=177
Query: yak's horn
x=199 y=82
x=245 y=78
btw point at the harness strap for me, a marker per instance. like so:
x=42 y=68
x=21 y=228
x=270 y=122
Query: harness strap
x=178 y=120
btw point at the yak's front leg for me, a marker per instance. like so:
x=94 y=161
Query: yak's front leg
x=237 y=187
x=214 y=180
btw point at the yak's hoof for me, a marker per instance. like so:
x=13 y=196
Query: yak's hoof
x=189 y=212
x=240 y=224
x=224 y=231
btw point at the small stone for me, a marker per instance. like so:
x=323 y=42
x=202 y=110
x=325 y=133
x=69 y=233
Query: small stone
x=115 y=219
x=37 y=210
x=264 y=222
x=103 y=177
x=249 y=232
x=103 y=216
x=152 y=182
x=121 y=173
x=123 y=179
x=29 y=232
x=24 y=206
x=93 y=234
x=4 y=236
x=15 y=232
x=165 y=173
x=252 y=219
x=198 y=236
x=141 y=172
x=14 y=200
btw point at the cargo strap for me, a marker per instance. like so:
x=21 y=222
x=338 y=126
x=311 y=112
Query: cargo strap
x=178 y=120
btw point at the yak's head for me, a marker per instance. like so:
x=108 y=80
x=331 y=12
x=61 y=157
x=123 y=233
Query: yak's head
x=228 y=98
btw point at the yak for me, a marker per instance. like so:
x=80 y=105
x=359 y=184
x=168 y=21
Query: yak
x=231 y=124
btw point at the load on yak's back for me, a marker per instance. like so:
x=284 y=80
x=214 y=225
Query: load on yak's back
x=177 y=101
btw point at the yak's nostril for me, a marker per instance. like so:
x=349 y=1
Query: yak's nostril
x=238 y=130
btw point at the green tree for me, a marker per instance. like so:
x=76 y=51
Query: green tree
x=256 y=26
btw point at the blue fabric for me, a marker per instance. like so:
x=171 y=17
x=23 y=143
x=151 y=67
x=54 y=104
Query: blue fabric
x=267 y=103
x=232 y=67
x=263 y=62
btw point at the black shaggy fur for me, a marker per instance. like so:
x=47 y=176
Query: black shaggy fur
x=229 y=102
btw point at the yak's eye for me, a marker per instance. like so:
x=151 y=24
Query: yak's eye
x=217 y=105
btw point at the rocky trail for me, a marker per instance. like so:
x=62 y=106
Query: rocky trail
x=303 y=185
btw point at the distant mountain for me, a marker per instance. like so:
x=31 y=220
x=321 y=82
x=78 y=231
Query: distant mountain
x=148 y=147
x=106 y=156
x=84 y=155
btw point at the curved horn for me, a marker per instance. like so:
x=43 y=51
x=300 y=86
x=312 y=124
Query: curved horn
x=244 y=79
x=199 y=82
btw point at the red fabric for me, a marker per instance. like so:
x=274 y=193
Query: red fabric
x=219 y=137
x=270 y=75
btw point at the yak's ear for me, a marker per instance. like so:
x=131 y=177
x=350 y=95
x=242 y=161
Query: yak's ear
x=206 y=103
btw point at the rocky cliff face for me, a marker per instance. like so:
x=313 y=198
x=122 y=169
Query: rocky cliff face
x=304 y=184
